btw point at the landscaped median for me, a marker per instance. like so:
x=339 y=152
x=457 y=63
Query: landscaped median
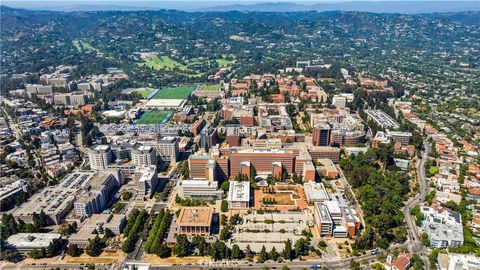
x=105 y=257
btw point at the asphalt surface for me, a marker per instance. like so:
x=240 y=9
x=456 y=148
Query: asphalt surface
x=415 y=244
x=332 y=264
x=61 y=266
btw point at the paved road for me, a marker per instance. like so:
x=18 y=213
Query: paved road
x=331 y=264
x=17 y=132
x=415 y=244
x=353 y=198
x=53 y=266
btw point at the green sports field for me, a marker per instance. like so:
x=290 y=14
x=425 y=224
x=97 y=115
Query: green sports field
x=180 y=92
x=145 y=92
x=214 y=87
x=154 y=117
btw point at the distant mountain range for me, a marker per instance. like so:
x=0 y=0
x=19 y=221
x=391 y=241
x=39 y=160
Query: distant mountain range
x=406 y=7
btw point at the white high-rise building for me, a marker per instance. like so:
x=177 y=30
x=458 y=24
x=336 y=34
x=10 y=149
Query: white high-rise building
x=147 y=181
x=100 y=156
x=168 y=148
x=144 y=156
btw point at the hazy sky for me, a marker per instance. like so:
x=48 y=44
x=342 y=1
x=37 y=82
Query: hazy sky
x=192 y=5
x=206 y=2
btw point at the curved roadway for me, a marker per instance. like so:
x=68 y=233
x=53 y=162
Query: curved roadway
x=414 y=241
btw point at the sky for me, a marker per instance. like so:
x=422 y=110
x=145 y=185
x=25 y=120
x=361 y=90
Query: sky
x=187 y=5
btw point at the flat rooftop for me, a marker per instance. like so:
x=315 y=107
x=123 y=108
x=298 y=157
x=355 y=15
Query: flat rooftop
x=195 y=216
x=146 y=175
x=324 y=149
x=55 y=199
x=97 y=219
x=399 y=133
x=199 y=156
x=197 y=183
x=168 y=139
x=446 y=232
x=333 y=207
x=165 y=103
x=29 y=240
x=316 y=191
x=383 y=119
x=322 y=210
x=145 y=148
x=102 y=147
x=239 y=191
x=264 y=151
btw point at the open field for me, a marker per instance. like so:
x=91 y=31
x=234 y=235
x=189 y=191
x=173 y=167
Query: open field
x=190 y=69
x=145 y=92
x=180 y=92
x=167 y=63
x=154 y=117
x=105 y=257
x=88 y=260
x=285 y=197
x=225 y=62
x=83 y=46
x=162 y=62
x=214 y=87
x=191 y=259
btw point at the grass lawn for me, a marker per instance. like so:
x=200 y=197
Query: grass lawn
x=80 y=46
x=153 y=117
x=145 y=92
x=167 y=63
x=180 y=92
x=163 y=62
x=194 y=63
x=189 y=70
x=433 y=170
x=225 y=62
x=214 y=87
